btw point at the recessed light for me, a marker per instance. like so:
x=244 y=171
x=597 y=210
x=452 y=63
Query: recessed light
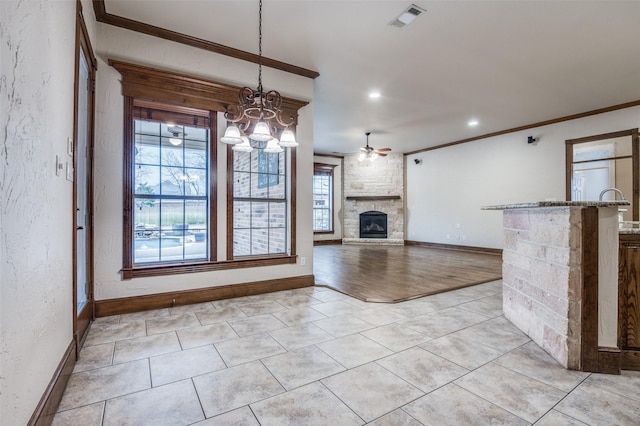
x=374 y=95
x=472 y=123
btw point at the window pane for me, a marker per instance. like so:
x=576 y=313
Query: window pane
x=259 y=185
x=147 y=180
x=277 y=243
x=241 y=186
x=259 y=241
x=277 y=190
x=241 y=214
x=277 y=215
x=171 y=155
x=195 y=181
x=259 y=215
x=173 y=180
x=195 y=155
x=147 y=230
x=195 y=243
x=241 y=242
x=242 y=161
x=147 y=127
x=197 y=134
x=322 y=200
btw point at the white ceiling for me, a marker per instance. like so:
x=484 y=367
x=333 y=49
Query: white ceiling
x=504 y=63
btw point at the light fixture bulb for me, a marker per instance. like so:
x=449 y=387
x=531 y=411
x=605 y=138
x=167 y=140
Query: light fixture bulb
x=231 y=135
x=373 y=156
x=472 y=123
x=261 y=132
x=288 y=139
x=362 y=156
x=273 y=147
x=175 y=141
x=245 y=146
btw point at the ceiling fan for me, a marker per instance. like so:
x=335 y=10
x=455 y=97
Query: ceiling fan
x=370 y=153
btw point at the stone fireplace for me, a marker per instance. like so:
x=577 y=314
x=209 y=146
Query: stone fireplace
x=374 y=189
x=373 y=224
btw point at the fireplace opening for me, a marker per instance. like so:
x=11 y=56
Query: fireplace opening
x=373 y=224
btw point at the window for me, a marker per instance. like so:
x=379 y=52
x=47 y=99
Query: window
x=171 y=174
x=171 y=181
x=323 y=198
x=259 y=202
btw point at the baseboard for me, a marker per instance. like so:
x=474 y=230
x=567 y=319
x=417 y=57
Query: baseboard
x=630 y=360
x=128 y=305
x=609 y=360
x=48 y=405
x=485 y=250
x=326 y=242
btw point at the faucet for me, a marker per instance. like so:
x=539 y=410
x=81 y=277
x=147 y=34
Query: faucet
x=614 y=190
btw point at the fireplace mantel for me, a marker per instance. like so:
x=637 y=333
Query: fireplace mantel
x=373 y=197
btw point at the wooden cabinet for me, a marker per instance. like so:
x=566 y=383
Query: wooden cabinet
x=629 y=301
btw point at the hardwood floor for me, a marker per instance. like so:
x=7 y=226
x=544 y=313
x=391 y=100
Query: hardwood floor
x=392 y=274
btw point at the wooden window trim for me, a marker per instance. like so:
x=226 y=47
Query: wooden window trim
x=635 y=160
x=321 y=167
x=185 y=93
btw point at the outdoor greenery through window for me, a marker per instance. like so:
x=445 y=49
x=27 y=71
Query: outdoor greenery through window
x=170 y=192
x=259 y=202
x=322 y=198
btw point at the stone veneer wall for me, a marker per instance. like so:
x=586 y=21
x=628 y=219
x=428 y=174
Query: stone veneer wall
x=383 y=177
x=542 y=278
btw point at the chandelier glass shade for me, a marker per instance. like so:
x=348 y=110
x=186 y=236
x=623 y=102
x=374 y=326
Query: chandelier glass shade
x=260 y=110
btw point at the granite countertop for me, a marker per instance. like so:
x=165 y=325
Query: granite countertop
x=540 y=204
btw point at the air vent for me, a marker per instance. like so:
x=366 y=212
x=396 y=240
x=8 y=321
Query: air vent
x=407 y=16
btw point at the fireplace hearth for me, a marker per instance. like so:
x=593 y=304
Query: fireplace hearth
x=373 y=224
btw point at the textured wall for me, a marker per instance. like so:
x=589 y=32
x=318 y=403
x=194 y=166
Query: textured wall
x=385 y=176
x=36 y=99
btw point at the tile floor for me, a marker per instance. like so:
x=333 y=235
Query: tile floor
x=317 y=357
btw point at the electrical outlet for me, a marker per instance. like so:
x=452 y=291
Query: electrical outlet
x=59 y=166
x=70 y=147
x=303 y=261
x=69 y=171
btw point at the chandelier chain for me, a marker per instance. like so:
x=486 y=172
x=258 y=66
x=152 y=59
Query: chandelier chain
x=260 y=47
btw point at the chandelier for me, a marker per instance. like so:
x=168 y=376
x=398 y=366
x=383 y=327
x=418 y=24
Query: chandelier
x=259 y=107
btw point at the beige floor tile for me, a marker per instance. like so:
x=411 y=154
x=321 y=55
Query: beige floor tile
x=92 y=357
x=343 y=325
x=144 y=315
x=336 y=307
x=106 y=332
x=112 y=319
x=205 y=335
x=556 y=418
x=224 y=313
x=525 y=397
x=171 y=405
x=599 y=407
x=371 y=391
x=444 y=322
x=461 y=352
x=301 y=367
x=235 y=387
x=196 y=307
x=483 y=307
x=422 y=369
x=105 y=383
x=89 y=415
x=298 y=316
x=239 y=417
x=172 y=323
x=452 y=405
x=249 y=348
x=256 y=324
x=299 y=336
x=626 y=384
x=145 y=347
x=417 y=308
x=261 y=308
x=354 y=350
x=395 y=337
x=395 y=418
x=311 y=405
x=328 y=295
x=184 y=364
x=379 y=316
x=534 y=362
x=495 y=334
x=297 y=301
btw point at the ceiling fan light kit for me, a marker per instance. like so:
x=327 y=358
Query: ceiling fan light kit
x=259 y=107
x=369 y=153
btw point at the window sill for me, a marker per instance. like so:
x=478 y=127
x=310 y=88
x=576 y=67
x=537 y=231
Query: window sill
x=187 y=268
x=322 y=232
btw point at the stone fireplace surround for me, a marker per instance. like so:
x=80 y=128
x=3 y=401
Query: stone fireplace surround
x=375 y=186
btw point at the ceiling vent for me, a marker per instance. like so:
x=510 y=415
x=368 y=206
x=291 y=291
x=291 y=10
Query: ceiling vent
x=407 y=16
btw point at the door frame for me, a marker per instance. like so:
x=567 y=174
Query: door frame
x=82 y=319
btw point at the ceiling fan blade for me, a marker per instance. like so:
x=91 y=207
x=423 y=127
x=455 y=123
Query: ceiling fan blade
x=383 y=149
x=380 y=154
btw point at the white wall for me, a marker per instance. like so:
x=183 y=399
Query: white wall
x=133 y=47
x=338 y=202
x=36 y=99
x=452 y=184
